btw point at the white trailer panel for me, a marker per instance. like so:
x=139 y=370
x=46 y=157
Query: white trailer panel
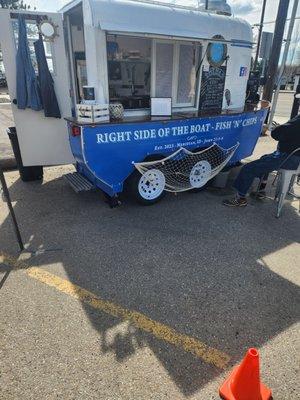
x=43 y=141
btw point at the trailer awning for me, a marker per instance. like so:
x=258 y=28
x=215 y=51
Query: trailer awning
x=129 y=16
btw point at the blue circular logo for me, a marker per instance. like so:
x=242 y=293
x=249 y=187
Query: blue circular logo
x=216 y=52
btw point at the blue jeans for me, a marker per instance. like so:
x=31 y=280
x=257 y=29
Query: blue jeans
x=261 y=168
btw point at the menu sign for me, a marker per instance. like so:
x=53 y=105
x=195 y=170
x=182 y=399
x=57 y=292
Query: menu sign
x=212 y=89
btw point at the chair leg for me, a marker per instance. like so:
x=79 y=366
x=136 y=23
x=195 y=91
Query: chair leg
x=291 y=187
x=284 y=187
x=278 y=186
x=280 y=204
x=292 y=183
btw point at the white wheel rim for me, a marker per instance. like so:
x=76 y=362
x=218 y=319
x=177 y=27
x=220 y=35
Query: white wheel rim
x=152 y=184
x=200 y=174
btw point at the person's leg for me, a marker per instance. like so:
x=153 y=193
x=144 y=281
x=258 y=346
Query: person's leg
x=246 y=177
x=290 y=163
x=263 y=182
x=260 y=193
x=255 y=169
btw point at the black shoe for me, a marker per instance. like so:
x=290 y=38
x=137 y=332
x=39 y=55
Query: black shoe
x=235 y=202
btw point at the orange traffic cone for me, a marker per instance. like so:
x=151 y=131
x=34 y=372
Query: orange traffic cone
x=244 y=383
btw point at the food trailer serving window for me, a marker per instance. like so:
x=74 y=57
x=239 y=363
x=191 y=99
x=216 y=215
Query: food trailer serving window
x=139 y=67
x=175 y=71
x=129 y=70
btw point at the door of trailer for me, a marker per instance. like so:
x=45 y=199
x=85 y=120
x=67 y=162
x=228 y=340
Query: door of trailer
x=42 y=140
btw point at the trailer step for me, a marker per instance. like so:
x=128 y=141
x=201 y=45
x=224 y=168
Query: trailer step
x=78 y=182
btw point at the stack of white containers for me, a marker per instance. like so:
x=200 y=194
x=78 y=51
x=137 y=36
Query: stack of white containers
x=92 y=113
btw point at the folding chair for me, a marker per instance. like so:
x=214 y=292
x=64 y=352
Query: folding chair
x=286 y=181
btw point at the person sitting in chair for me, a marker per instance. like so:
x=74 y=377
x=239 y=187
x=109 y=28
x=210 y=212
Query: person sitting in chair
x=286 y=156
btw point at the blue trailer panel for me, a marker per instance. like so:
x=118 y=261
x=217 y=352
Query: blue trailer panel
x=106 y=153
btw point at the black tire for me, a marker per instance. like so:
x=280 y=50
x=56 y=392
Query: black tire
x=201 y=189
x=132 y=184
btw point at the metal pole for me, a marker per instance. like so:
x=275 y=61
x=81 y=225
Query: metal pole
x=261 y=25
x=284 y=58
x=276 y=49
x=263 y=71
x=11 y=210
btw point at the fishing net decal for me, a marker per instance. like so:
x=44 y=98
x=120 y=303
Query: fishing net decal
x=185 y=170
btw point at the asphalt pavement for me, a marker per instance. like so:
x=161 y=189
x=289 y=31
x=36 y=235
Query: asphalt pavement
x=145 y=302
x=6 y=120
x=284 y=106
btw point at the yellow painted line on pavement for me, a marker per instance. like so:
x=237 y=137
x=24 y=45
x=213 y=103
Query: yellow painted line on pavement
x=160 y=331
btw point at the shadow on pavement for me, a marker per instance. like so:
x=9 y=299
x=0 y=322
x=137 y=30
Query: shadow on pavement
x=187 y=262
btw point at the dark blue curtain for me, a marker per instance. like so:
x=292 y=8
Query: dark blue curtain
x=51 y=108
x=28 y=94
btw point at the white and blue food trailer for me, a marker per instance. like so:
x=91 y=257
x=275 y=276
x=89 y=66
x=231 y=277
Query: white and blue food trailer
x=133 y=53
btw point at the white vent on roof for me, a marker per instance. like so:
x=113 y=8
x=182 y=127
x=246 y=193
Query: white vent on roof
x=219 y=6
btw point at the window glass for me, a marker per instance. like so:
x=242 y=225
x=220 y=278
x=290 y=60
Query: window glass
x=81 y=75
x=32 y=36
x=129 y=70
x=48 y=50
x=186 y=74
x=164 y=69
